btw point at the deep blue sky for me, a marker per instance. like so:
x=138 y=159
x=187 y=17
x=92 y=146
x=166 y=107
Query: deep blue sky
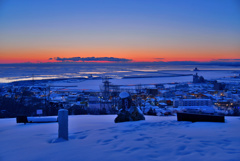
x=169 y=29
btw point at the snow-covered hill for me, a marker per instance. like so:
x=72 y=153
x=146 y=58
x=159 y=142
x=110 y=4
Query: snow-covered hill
x=95 y=138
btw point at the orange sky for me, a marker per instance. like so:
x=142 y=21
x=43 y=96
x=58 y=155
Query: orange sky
x=143 y=55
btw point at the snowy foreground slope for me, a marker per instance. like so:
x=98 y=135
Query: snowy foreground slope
x=99 y=138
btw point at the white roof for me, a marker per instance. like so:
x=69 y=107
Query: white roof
x=124 y=95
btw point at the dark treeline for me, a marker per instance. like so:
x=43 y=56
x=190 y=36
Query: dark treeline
x=27 y=106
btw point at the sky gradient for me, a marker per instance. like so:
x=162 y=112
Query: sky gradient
x=140 y=30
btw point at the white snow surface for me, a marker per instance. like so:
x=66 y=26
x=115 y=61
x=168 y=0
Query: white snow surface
x=42 y=119
x=94 y=138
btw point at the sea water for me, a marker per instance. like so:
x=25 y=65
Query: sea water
x=121 y=73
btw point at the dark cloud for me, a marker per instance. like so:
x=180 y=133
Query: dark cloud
x=50 y=59
x=84 y=59
x=228 y=59
x=159 y=58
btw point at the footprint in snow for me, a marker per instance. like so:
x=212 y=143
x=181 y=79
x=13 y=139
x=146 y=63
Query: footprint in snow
x=104 y=142
x=181 y=136
x=82 y=137
x=121 y=149
x=143 y=138
x=181 y=147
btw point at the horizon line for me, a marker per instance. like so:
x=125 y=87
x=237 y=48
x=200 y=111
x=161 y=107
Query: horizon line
x=220 y=61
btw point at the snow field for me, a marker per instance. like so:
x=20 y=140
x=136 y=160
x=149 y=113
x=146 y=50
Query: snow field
x=99 y=138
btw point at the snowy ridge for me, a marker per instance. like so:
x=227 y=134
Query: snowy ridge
x=99 y=138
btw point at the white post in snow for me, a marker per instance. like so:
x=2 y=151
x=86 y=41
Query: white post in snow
x=63 y=124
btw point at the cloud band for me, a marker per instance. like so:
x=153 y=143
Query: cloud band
x=86 y=59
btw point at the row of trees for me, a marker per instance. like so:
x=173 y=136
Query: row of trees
x=12 y=107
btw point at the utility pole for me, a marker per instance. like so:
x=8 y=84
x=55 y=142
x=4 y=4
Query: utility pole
x=45 y=101
x=106 y=92
x=33 y=79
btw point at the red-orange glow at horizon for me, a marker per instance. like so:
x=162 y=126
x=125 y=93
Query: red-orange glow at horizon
x=35 y=56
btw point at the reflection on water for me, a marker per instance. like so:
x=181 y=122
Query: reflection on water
x=13 y=79
x=91 y=72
